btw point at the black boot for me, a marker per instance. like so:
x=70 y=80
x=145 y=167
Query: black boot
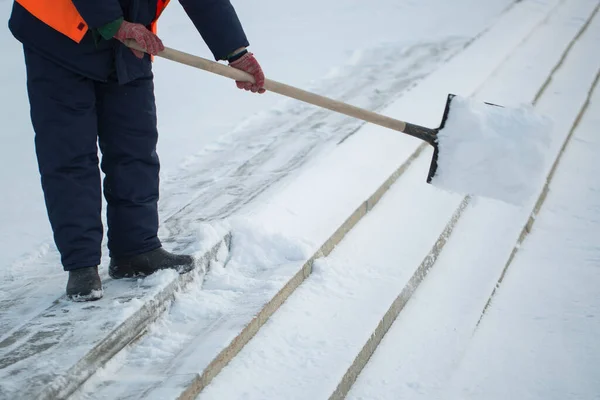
x=148 y=263
x=84 y=284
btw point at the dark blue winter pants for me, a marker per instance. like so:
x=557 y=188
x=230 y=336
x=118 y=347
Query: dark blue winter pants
x=70 y=115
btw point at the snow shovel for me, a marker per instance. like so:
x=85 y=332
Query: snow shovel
x=478 y=150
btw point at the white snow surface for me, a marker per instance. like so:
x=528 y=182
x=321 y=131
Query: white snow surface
x=222 y=148
x=317 y=329
x=224 y=143
x=242 y=280
x=277 y=172
x=538 y=340
x=274 y=364
x=493 y=151
x=425 y=346
x=356 y=168
x=310 y=207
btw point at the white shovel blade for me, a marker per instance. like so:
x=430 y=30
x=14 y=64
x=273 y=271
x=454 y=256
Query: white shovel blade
x=492 y=151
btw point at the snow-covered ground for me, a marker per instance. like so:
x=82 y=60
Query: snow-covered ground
x=538 y=340
x=432 y=337
x=283 y=176
x=221 y=147
x=364 y=53
x=307 y=346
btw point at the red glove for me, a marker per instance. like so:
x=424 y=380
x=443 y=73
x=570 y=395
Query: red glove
x=249 y=64
x=142 y=36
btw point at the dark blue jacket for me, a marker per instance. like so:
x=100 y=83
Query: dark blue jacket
x=216 y=20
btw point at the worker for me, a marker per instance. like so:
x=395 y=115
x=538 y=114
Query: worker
x=86 y=87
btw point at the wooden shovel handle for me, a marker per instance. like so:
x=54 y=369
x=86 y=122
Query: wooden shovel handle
x=290 y=91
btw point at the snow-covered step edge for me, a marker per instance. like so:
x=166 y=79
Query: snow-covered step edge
x=398 y=304
x=428 y=262
x=396 y=307
x=540 y=333
x=527 y=227
x=196 y=385
x=63 y=383
x=134 y=326
x=193 y=384
x=221 y=335
x=215 y=338
x=326 y=247
x=536 y=203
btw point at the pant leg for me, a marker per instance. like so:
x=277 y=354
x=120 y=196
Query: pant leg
x=63 y=114
x=128 y=136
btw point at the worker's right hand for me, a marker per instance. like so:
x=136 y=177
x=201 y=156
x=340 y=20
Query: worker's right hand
x=142 y=36
x=248 y=63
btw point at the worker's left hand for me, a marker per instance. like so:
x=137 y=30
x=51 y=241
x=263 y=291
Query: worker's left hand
x=249 y=64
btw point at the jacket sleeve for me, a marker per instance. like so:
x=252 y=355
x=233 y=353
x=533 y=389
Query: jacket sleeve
x=97 y=13
x=218 y=24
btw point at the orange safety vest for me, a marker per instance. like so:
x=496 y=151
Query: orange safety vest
x=64 y=17
x=160 y=7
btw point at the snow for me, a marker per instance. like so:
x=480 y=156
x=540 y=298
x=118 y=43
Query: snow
x=425 y=345
x=318 y=327
x=255 y=250
x=372 y=151
x=259 y=262
x=57 y=350
x=303 y=351
x=493 y=151
x=236 y=296
x=309 y=208
x=93 y=295
x=283 y=175
x=222 y=148
x=201 y=114
x=538 y=340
